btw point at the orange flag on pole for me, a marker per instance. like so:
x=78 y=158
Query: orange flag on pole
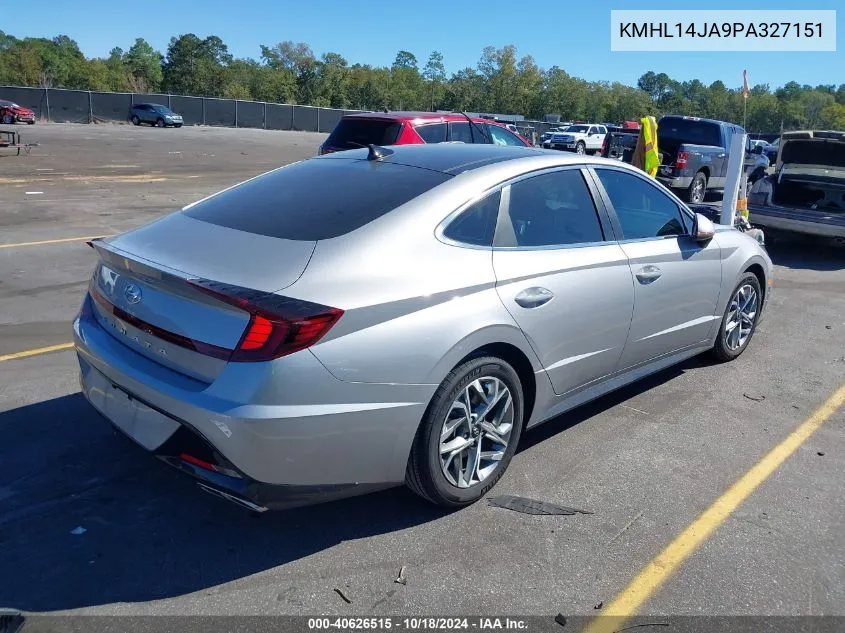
x=744 y=85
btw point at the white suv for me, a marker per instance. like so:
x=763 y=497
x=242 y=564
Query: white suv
x=580 y=138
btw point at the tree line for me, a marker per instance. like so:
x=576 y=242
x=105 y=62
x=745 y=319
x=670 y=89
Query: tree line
x=501 y=82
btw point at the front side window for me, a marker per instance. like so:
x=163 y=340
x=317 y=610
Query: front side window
x=501 y=136
x=476 y=224
x=553 y=209
x=643 y=210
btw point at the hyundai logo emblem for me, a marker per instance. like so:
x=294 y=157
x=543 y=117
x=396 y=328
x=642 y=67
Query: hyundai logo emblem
x=132 y=294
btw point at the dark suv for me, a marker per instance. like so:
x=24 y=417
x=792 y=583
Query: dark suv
x=410 y=128
x=154 y=114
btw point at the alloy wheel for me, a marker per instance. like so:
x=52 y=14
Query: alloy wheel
x=741 y=317
x=476 y=432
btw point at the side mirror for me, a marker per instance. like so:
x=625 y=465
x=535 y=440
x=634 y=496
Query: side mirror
x=703 y=229
x=589 y=133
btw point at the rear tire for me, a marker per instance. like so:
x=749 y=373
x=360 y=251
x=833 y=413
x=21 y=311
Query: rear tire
x=460 y=476
x=8 y=119
x=697 y=190
x=136 y=120
x=740 y=319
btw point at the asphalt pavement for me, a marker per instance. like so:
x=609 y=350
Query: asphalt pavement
x=645 y=461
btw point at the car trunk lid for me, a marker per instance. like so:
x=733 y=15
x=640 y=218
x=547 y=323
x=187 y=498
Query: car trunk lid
x=148 y=293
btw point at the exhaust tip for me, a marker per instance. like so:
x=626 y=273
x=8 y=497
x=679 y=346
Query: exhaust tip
x=244 y=503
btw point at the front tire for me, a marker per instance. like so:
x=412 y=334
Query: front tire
x=580 y=148
x=740 y=319
x=468 y=435
x=159 y=122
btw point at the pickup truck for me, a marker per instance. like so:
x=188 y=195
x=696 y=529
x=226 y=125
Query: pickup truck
x=620 y=145
x=694 y=154
x=806 y=194
x=580 y=138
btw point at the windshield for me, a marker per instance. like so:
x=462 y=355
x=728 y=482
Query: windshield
x=578 y=128
x=162 y=109
x=316 y=199
x=353 y=133
x=689 y=131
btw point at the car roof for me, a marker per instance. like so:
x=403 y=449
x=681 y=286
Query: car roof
x=457 y=158
x=418 y=116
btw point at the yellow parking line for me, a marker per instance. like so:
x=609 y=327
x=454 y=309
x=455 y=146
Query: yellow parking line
x=59 y=241
x=667 y=562
x=36 y=352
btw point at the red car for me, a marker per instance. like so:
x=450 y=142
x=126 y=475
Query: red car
x=412 y=128
x=11 y=112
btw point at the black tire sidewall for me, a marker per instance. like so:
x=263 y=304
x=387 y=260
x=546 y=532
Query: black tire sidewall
x=442 y=491
x=160 y=123
x=721 y=348
x=699 y=176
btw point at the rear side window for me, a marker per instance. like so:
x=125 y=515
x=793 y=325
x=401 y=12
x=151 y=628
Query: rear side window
x=432 y=133
x=316 y=199
x=459 y=131
x=553 y=209
x=476 y=224
x=501 y=136
x=643 y=210
x=354 y=133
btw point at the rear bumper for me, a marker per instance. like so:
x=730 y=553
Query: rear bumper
x=292 y=432
x=675 y=182
x=806 y=221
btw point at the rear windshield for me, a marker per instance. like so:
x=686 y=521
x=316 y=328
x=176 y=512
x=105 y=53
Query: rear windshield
x=820 y=152
x=316 y=199
x=355 y=133
x=689 y=131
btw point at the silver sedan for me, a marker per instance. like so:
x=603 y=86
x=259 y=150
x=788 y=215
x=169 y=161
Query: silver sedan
x=385 y=316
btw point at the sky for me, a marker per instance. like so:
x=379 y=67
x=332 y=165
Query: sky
x=572 y=35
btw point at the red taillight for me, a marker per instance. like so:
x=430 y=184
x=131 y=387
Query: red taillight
x=604 y=144
x=201 y=463
x=681 y=161
x=277 y=326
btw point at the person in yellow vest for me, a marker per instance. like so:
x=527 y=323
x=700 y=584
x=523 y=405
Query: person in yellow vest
x=646 y=155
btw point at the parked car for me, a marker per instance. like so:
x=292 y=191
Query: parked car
x=154 y=114
x=694 y=154
x=410 y=128
x=806 y=194
x=423 y=307
x=11 y=112
x=771 y=151
x=546 y=138
x=620 y=145
x=755 y=163
x=580 y=138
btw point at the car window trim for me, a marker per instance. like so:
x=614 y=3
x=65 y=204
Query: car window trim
x=687 y=216
x=504 y=225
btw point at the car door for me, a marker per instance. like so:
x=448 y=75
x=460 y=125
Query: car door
x=146 y=113
x=676 y=279
x=562 y=276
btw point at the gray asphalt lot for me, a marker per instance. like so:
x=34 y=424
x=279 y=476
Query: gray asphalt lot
x=657 y=453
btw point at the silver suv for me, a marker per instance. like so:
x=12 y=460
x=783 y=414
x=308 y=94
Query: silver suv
x=154 y=114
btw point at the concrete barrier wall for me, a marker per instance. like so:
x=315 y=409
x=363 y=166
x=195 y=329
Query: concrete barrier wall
x=82 y=106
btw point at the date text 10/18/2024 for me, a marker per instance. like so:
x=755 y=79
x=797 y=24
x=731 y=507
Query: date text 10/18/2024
x=417 y=623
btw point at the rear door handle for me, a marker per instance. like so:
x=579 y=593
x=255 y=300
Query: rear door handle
x=534 y=297
x=649 y=274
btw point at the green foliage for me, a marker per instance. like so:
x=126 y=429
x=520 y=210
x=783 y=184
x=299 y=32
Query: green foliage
x=501 y=82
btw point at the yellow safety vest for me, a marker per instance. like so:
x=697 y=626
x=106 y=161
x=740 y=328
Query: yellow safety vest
x=652 y=157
